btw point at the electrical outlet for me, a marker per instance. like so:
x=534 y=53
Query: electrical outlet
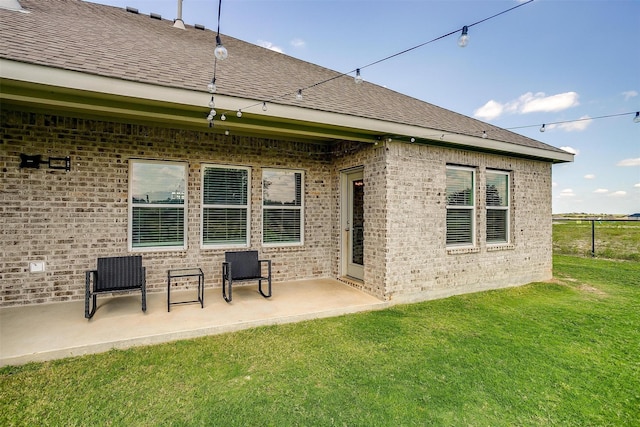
x=36 y=266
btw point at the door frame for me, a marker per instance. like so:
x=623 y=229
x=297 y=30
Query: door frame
x=346 y=177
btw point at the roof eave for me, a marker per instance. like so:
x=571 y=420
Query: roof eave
x=48 y=87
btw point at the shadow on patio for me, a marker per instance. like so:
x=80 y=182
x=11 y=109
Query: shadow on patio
x=54 y=331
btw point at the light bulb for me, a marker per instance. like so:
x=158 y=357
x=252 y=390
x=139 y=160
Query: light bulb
x=220 y=51
x=226 y=132
x=212 y=112
x=223 y=117
x=358 y=78
x=542 y=128
x=484 y=134
x=210 y=118
x=636 y=119
x=464 y=37
x=212 y=103
x=413 y=139
x=299 y=95
x=211 y=87
x=264 y=106
x=239 y=114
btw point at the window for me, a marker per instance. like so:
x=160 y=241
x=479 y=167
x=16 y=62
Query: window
x=460 y=206
x=497 y=207
x=282 y=207
x=157 y=205
x=225 y=205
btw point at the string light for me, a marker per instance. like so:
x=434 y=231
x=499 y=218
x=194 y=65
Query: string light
x=223 y=117
x=463 y=41
x=211 y=87
x=636 y=119
x=220 y=51
x=239 y=113
x=358 y=78
x=299 y=95
x=542 y=128
x=484 y=134
x=212 y=103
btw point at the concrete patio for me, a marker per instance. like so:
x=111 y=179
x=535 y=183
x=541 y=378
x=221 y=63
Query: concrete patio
x=53 y=331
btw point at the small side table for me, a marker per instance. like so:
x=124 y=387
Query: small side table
x=185 y=272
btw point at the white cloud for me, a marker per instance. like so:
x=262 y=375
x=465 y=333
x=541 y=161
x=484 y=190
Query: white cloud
x=629 y=94
x=601 y=191
x=577 y=125
x=270 y=46
x=567 y=192
x=571 y=150
x=618 y=194
x=298 y=43
x=528 y=103
x=637 y=185
x=590 y=176
x=489 y=111
x=629 y=162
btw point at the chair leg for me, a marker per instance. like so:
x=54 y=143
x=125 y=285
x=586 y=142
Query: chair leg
x=224 y=288
x=268 y=295
x=88 y=310
x=144 y=298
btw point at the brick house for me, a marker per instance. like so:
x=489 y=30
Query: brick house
x=397 y=197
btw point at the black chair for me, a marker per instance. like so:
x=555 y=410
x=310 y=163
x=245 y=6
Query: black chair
x=242 y=267
x=115 y=274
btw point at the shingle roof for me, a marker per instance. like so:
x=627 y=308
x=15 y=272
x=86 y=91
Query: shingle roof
x=109 y=41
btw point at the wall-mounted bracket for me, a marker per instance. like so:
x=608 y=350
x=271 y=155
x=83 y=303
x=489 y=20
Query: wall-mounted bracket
x=34 y=162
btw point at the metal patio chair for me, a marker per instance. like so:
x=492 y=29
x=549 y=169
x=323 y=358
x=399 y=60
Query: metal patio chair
x=244 y=266
x=114 y=274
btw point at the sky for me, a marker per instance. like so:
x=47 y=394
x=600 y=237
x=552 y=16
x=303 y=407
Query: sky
x=562 y=63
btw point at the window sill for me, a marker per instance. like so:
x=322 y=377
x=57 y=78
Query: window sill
x=466 y=250
x=500 y=247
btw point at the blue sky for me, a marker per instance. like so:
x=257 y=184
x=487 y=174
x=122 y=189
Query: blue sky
x=547 y=61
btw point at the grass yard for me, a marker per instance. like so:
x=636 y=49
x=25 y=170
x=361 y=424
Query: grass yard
x=614 y=239
x=564 y=353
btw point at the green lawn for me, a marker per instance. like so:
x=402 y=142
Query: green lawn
x=564 y=353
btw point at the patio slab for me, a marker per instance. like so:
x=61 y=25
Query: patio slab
x=53 y=331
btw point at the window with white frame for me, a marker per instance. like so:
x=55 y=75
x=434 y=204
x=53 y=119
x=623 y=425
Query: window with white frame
x=460 y=206
x=157 y=205
x=225 y=205
x=282 y=207
x=497 y=207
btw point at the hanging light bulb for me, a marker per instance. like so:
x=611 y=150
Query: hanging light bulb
x=239 y=113
x=226 y=132
x=223 y=117
x=220 y=51
x=212 y=113
x=358 y=78
x=636 y=119
x=542 y=128
x=299 y=95
x=413 y=139
x=484 y=134
x=211 y=87
x=464 y=37
x=212 y=103
x=264 y=106
x=210 y=117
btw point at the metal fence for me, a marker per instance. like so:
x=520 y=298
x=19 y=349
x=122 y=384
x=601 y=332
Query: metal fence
x=607 y=238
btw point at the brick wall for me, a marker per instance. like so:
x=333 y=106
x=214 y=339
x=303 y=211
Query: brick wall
x=420 y=266
x=68 y=219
